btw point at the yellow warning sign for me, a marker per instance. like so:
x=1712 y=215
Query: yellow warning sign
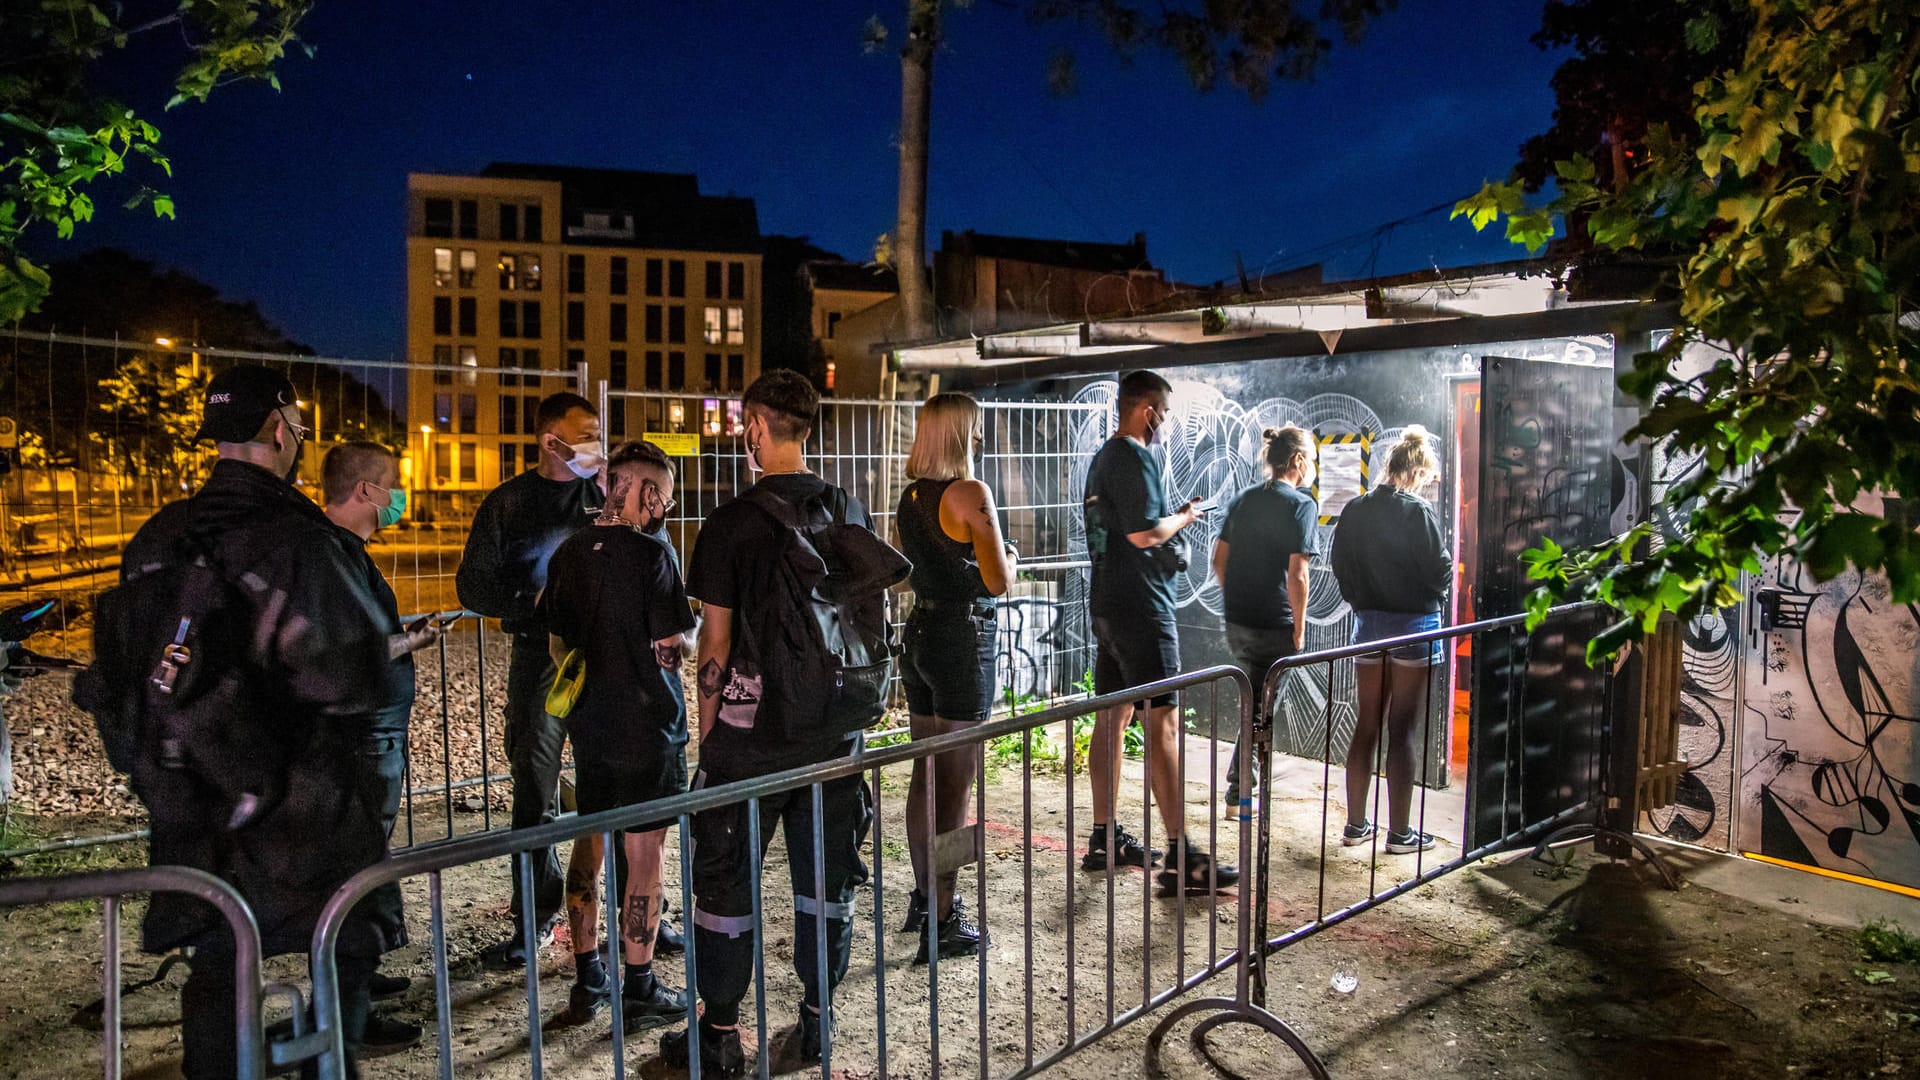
x=675 y=445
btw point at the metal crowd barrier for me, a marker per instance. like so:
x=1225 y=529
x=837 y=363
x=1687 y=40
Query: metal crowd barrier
x=327 y=1042
x=1521 y=830
x=111 y=887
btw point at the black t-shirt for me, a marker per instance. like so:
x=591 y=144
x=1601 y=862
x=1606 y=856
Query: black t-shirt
x=1124 y=495
x=1266 y=527
x=612 y=593
x=733 y=564
x=515 y=532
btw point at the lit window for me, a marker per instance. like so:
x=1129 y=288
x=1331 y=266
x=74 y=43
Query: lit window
x=443 y=268
x=530 y=270
x=442 y=412
x=712 y=334
x=509 y=271
x=469 y=358
x=677 y=415
x=736 y=326
x=830 y=370
x=469 y=266
x=735 y=425
x=710 y=416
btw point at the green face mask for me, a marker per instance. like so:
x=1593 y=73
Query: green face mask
x=396 y=508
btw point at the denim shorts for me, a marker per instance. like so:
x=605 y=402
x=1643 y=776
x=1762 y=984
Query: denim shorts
x=1380 y=625
x=948 y=670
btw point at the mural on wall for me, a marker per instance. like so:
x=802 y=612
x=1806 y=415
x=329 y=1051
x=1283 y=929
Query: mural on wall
x=1830 y=769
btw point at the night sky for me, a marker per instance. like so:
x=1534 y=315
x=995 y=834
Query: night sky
x=296 y=199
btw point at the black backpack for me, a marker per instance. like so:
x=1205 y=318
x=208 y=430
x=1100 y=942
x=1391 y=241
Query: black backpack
x=821 y=636
x=172 y=692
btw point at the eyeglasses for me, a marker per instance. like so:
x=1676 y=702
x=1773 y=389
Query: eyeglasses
x=301 y=431
x=666 y=504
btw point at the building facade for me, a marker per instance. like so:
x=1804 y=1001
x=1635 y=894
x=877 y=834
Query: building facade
x=524 y=279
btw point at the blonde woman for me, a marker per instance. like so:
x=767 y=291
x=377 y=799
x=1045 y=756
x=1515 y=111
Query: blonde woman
x=948 y=528
x=1394 y=570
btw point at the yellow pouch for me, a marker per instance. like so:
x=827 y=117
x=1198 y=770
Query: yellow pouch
x=567 y=684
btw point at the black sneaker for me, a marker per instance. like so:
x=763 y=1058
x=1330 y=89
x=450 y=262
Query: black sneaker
x=669 y=941
x=806 y=1036
x=384 y=987
x=1128 y=851
x=644 y=1012
x=385 y=1035
x=720 y=1053
x=916 y=913
x=1406 y=843
x=584 y=1002
x=958 y=936
x=511 y=953
x=1201 y=873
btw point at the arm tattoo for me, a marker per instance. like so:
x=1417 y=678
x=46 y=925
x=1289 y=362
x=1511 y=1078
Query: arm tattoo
x=711 y=675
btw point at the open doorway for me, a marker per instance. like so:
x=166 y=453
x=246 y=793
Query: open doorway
x=1463 y=510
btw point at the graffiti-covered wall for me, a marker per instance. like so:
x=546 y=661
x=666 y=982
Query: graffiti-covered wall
x=1358 y=405
x=1830 y=761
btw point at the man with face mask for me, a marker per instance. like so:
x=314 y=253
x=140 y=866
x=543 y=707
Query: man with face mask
x=360 y=481
x=1129 y=529
x=501 y=575
x=309 y=649
x=614 y=594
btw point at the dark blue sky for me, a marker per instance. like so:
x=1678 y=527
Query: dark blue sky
x=295 y=199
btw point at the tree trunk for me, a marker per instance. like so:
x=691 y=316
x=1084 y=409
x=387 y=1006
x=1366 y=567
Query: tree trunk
x=910 y=228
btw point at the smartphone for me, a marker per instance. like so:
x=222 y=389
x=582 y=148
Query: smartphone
x=1209 y=506
x=435 y=619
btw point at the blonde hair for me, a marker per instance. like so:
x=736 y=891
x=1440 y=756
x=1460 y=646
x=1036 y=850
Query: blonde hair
x=1412 y=455
x=943 y=438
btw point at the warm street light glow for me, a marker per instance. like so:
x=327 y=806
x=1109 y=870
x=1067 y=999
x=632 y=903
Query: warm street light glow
x=426 y=429
x=164 y=342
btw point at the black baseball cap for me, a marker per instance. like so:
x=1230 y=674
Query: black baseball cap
x=239 y=400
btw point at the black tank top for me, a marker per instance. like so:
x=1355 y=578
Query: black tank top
x=946 y=575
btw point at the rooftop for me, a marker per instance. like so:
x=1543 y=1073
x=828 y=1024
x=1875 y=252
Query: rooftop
x=633 y=208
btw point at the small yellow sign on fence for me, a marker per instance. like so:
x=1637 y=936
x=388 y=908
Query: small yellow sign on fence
x=675 y=445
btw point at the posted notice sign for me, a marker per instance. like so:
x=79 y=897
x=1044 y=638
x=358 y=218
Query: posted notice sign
x=677 y=445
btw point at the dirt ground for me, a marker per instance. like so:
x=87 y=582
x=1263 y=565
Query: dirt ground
x=1505 y=968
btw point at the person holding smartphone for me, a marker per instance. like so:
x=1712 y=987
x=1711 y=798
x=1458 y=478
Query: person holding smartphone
x=1130 y=540
x=360 y=481
x=1260 y=560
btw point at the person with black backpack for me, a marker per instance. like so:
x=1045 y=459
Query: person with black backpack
x=794 y=661
x=239 y=668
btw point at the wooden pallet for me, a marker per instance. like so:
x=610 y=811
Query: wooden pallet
x=1661 y=762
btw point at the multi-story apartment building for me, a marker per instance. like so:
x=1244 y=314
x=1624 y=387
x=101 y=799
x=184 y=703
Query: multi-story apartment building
x=635 y=278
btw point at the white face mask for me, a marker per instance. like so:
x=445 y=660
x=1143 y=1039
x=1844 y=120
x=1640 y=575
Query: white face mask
x=586 y=460
x=753 y=453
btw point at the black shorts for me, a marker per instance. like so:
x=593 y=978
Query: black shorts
x=602 y=784
x=948 y=669
x=1135 y=652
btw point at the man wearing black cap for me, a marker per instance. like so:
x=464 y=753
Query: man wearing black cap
x=306 y=641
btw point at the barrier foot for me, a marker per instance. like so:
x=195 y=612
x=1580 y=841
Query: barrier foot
x=1580 y=833
x=1229 y=1011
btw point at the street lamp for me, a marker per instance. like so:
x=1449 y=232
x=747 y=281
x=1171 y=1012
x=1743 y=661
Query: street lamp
x=426 y=457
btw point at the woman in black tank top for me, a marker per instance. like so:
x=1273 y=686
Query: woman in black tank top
x=948 y=528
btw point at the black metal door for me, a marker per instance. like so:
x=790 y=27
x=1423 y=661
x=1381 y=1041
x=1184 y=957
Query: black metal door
x=1539 y=713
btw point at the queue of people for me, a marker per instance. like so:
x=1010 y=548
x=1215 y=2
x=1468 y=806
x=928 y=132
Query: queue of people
x=573 y=558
